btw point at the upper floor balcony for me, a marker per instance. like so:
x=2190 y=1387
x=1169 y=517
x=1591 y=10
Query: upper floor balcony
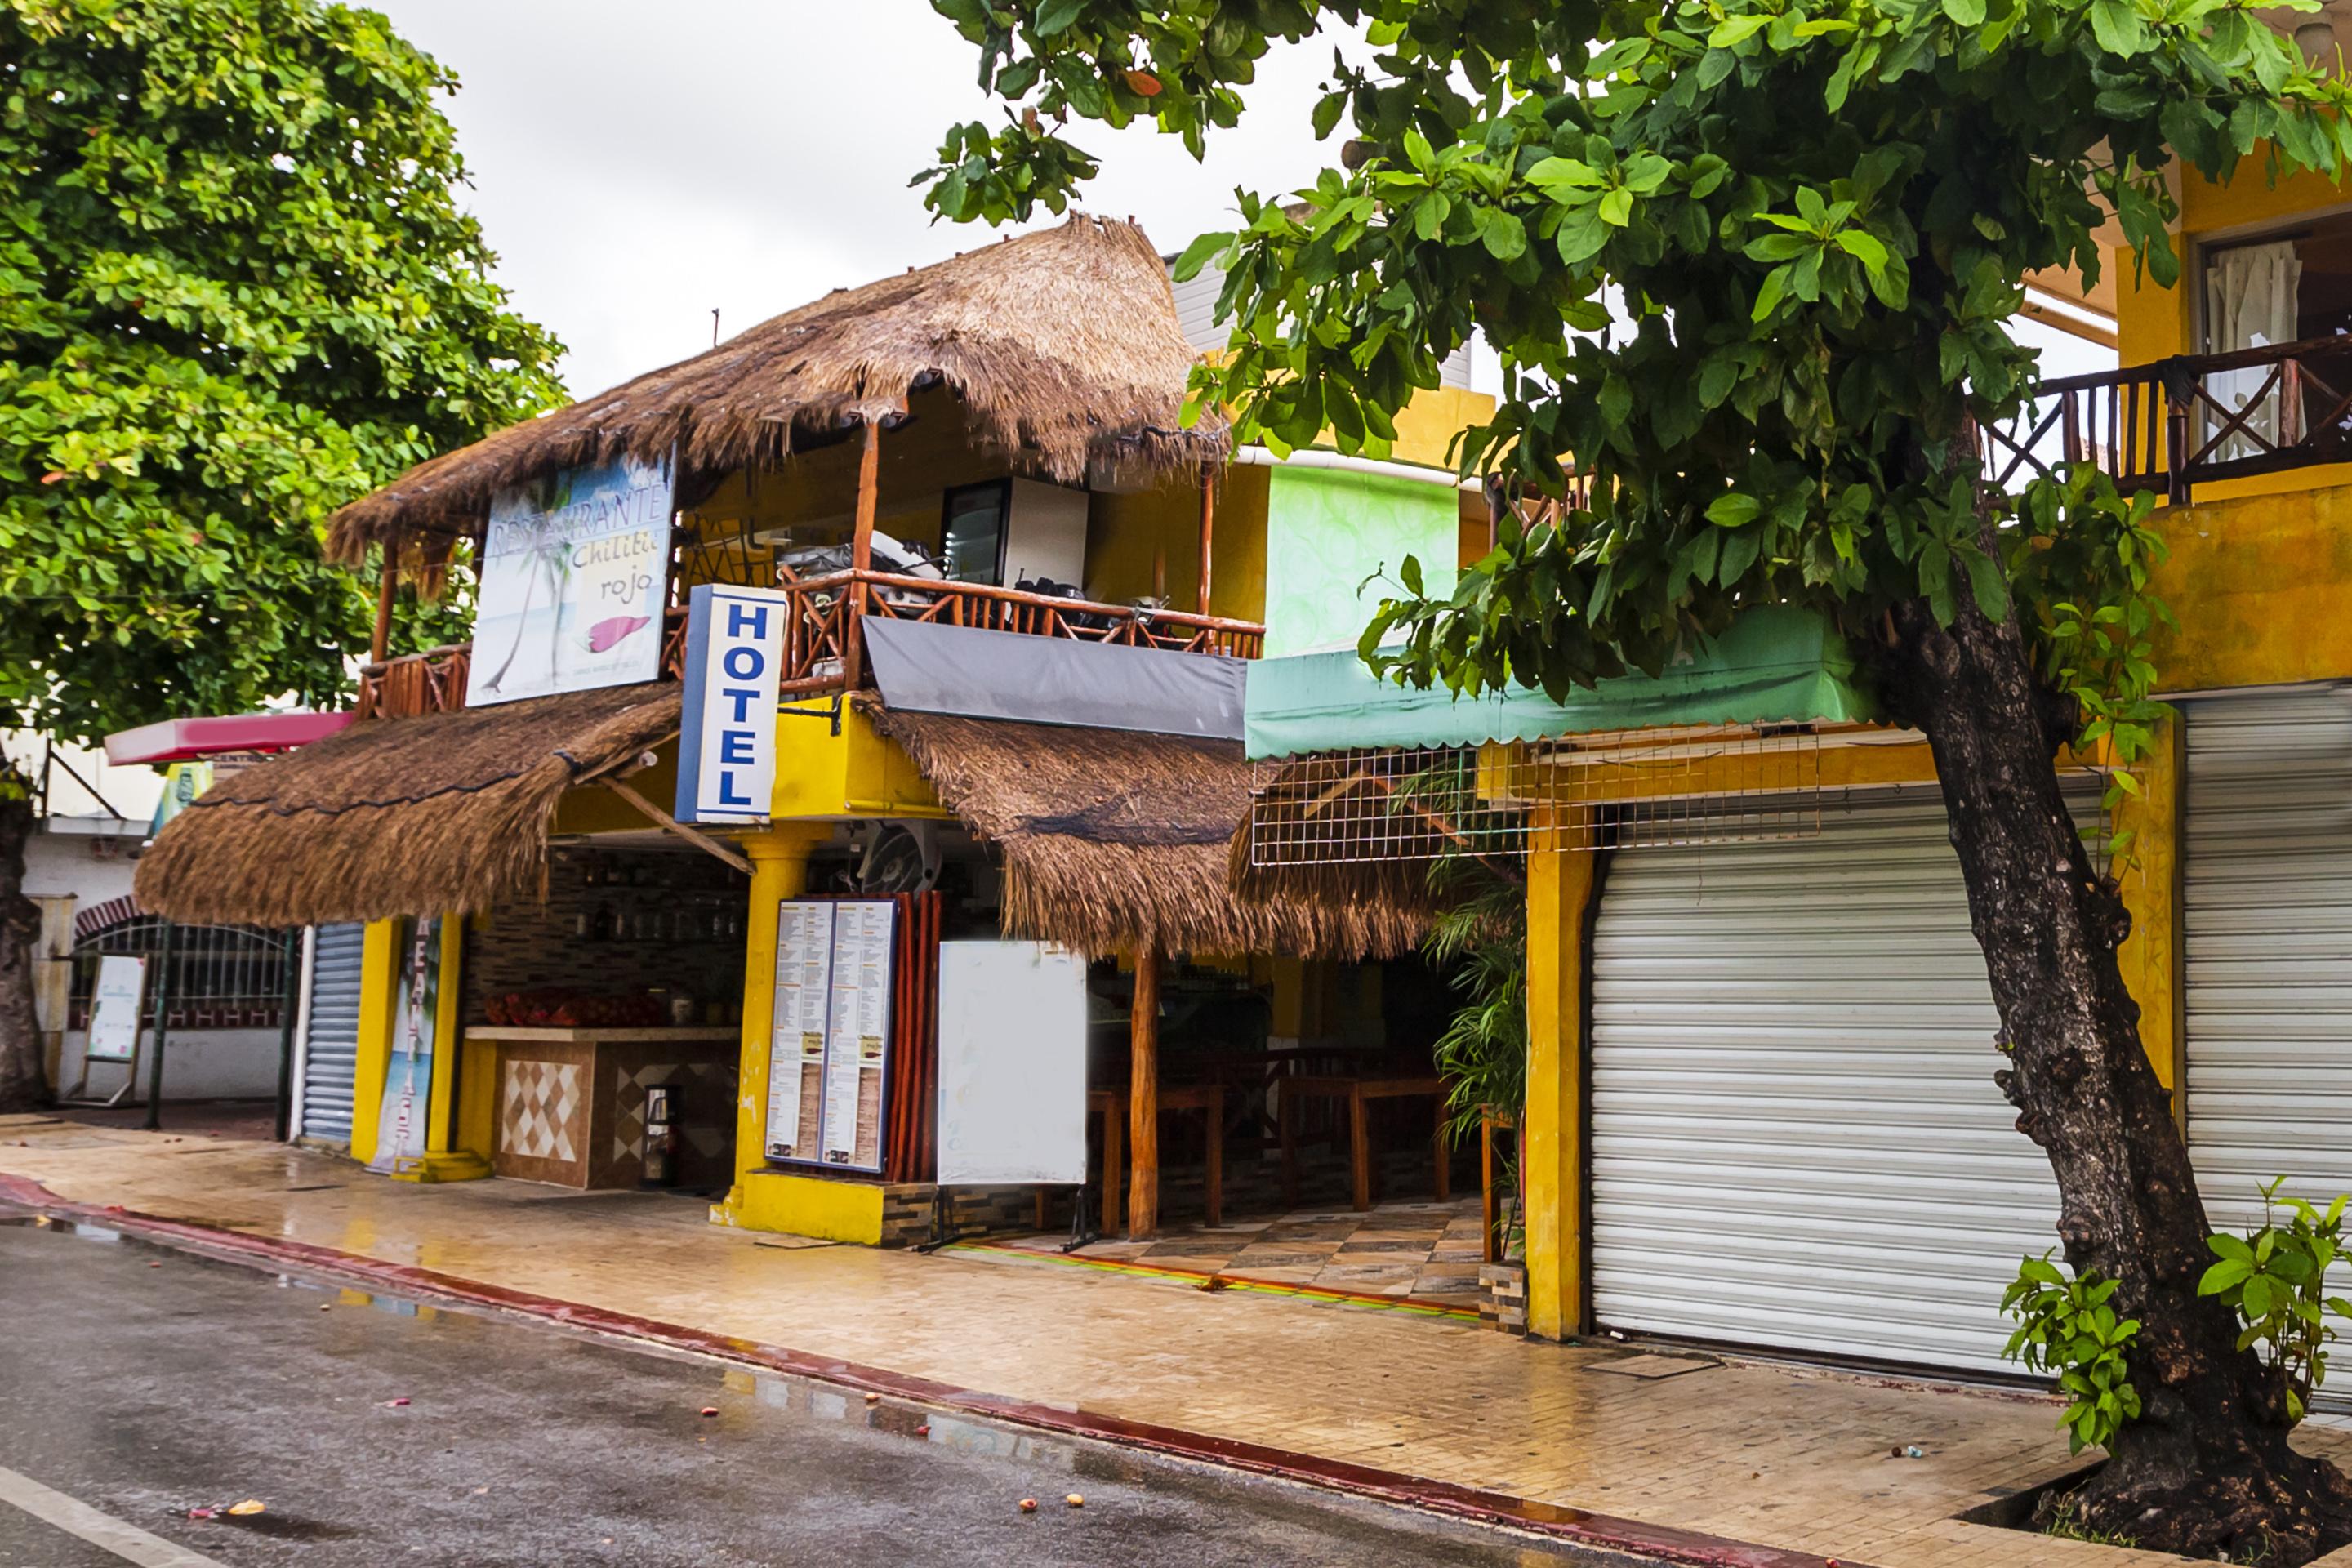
x=823 y=652
x=2186 y=420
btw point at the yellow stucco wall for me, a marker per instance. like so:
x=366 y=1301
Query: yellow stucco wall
x=2259 y=586
x=1128 y=534
x=855 y=773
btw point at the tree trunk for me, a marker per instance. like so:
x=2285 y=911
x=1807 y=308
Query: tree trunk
x=2206 y=1471
x=24 y=1086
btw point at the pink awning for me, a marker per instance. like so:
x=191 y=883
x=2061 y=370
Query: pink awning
x=188 y=740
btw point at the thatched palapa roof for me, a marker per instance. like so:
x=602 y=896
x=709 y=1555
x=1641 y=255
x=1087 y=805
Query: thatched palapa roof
x=1064 y=346
x=1113 y=839
x=443 y=813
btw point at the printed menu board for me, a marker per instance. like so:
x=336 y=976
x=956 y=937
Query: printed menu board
x=796 y=1048
x=829 y=1044
x=857 y=1040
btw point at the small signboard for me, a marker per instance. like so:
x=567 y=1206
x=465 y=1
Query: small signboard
x=114 y=1009
x=829 y=1042
x=1012 y=1065
x=575 y=576
x=727 y=738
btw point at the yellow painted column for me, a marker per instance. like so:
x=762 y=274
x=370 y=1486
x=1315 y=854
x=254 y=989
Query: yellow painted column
x=1551 y=1138
x=2150 y=956
x=763 y=1198
x=379 y=978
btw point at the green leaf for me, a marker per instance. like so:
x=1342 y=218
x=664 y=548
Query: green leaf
x=1767 y=298
x=2116 y=25
x=1505 y=236
x=1739 y=552
x=1987 y=584
x=1732 y=509
x=1055 y=15
x=1734 y=30
x=2222 y=1275
x=1197 y=254
x=1966 y=13
x=1617 y=207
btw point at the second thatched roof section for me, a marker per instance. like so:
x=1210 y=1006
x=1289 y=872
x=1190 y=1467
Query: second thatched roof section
x=1114 y=839
x=1064 y=346
x=443 y=814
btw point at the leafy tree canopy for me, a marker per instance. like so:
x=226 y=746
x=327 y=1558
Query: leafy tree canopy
x=1747 y=264
x=236 y=291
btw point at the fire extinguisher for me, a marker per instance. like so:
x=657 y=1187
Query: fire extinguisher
x=662 y=1135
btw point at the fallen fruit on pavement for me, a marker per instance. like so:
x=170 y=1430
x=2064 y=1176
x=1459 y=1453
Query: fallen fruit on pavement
x=1075 y=1501
x=248 y=1508
x=711 y=1410
x=873 y=1399
x=203 y=1513
x=395 y=1404
x=1028 y=1505
x=924 y=1430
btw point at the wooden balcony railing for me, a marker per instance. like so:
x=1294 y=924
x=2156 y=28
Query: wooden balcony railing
x=2188 y=420
x=820 y=654
x=430 y=681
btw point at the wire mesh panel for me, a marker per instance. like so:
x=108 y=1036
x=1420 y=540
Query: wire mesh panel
x=1388 y=804
x=1621 y=789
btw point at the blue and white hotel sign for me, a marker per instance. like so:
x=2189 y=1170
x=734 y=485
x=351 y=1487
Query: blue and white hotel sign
x=727 y=736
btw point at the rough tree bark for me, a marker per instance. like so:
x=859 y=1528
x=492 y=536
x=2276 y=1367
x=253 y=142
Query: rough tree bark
x=2207 y=1469
x=24 y=1086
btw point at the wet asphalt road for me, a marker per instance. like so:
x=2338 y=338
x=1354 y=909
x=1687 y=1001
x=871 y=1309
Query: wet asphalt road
x=147 y=1391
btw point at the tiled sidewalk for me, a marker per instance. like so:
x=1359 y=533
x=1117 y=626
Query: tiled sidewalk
x=1750 y=1452
x=1424 y=1252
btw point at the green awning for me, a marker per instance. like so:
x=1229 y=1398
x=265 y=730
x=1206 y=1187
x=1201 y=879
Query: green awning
x=1776 y=666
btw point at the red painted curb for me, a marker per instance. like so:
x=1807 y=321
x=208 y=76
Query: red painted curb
x=1571 y=1524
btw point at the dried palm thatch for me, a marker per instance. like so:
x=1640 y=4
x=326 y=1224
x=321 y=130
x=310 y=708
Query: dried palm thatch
x=443 y=814
x=1115 y=840
x=1064 y=346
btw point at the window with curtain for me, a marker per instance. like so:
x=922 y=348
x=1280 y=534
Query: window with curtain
x=2251 y=301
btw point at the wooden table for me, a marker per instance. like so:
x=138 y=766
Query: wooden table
x=1111 y=1104
x=1357 y=1093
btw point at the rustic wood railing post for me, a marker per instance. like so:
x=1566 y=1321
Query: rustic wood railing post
x=861 y=556
x=379 y=643
x=1208 y=528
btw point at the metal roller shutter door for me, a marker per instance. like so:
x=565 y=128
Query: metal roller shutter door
x=2266 y=919
x=1796 y=1141
x=330 y=1064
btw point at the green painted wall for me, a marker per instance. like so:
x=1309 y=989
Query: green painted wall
x=1327 y=530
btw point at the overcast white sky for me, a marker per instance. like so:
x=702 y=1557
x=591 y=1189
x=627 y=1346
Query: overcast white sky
x=638 y=163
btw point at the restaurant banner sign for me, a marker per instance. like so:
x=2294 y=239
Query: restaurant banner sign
x=727 y=733
x=575 y=575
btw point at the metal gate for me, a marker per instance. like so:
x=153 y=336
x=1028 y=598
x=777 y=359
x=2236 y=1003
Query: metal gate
x=2266 y=918
x=1796 y=1141
x=198 y=977
x=332 y=1043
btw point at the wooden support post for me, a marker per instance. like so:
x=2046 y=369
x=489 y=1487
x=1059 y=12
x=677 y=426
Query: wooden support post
x=380 y=644
x=1208 y=529
x=1143 y=1099
x=861 y=556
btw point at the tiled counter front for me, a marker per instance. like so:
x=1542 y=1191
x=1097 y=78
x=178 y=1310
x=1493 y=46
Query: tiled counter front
x=571 y=1102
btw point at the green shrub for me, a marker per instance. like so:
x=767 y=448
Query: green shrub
x=2065 y=1328
x=2275 y=1277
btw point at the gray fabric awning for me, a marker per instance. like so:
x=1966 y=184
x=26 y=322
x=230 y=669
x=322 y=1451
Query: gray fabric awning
x=970 y=673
